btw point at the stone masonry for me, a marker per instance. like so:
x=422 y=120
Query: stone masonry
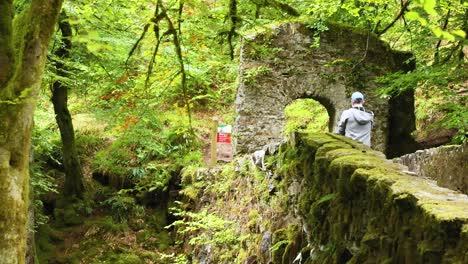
x=292 y=61
x=447 y=165
x=369 y=209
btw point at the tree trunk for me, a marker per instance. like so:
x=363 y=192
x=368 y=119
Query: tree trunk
x=23 y=49
x=31 y=245
x=71 y=163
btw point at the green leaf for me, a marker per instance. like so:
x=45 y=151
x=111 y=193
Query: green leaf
x=416 y=17
x=278 y=245
x=429 y=7
x=442 y=33
x=326 y=198
x=459 y=33
x=446 y=35
x=437 y=31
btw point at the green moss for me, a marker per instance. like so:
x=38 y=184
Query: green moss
x=88 y=142
x=72 y=217
x=261 y=50
x=254 y=219
x=123 y=207
x=325 y=148
x=102 y=244
x=288 y=165
x=390 y=215
x=356 y=145
x=431 y=251
x=150 y=239
x=45 y=245
x=106 y=225
x=71 y=211
x=315 y=140
x=279 y=242
x=371 y=239
x=163 y=240
x=305 y=201
x=121 y=258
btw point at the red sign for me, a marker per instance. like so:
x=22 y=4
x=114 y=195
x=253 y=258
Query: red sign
x=223 y=137
x=224 y=134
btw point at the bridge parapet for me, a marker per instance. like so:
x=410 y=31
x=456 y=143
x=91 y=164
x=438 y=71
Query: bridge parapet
x=446 y=164
x=360 y=207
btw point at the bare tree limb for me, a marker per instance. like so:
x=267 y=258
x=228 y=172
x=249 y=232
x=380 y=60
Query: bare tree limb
x=176 y=40
x=444 y=27
x=145 y=29
x=365 y=51
x=461 y=54
x=403 y=9
x=283 y=7
x=232 y=31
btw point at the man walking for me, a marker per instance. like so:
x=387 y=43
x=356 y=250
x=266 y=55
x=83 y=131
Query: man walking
x=357 y=122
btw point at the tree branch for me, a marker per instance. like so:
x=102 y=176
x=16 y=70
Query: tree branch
x=461 y=54
x=232 y=30
x=179 y=22
x=155 y=20
x=283 y=7
x=178 y=48
x=145 y=29
x=404 y=8
x=444 y=27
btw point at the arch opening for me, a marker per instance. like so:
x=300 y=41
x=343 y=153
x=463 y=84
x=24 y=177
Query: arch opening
x=306 y=114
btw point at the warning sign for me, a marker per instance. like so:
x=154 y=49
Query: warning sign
x=223 y=138
x=224 y=134
x=223 y=143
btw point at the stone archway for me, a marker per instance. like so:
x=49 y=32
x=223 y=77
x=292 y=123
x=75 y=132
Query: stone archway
x=284 y=64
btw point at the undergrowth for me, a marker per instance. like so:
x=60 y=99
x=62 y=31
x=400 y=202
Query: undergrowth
x=244 y=204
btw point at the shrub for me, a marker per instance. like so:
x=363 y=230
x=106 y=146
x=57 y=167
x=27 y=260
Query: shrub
x=123 y=207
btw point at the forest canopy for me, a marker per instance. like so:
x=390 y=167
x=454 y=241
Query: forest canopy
x=184 y=53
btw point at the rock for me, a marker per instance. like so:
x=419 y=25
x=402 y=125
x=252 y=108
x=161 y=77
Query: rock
x=446 y=165
x=251 y=260
x=205 y=256
x=265 y=245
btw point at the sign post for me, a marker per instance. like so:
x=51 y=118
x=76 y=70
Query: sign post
x=214 y=132
x=223 y=139
x=221 y=148
x=224 y=134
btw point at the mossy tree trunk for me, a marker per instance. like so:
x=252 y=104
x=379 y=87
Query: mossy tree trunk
x=23 y=49
x=71 y=163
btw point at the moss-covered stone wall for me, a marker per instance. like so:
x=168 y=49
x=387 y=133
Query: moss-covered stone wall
x=358 y=207
x=446 y=164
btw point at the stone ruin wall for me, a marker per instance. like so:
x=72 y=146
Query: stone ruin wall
x=447 y=165
x=283 y=65
x=377 y=212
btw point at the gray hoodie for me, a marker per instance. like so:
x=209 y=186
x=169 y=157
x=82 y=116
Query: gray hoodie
x=356 y=123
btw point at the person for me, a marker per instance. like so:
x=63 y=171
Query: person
x=356 y=122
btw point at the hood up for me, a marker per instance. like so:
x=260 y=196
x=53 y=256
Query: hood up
x=362 y=117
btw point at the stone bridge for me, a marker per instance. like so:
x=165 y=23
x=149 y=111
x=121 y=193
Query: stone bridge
x=358 y=207
x=293 y=61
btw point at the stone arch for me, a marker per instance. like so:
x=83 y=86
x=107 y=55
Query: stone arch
x=284 y=63
x=324 y=101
